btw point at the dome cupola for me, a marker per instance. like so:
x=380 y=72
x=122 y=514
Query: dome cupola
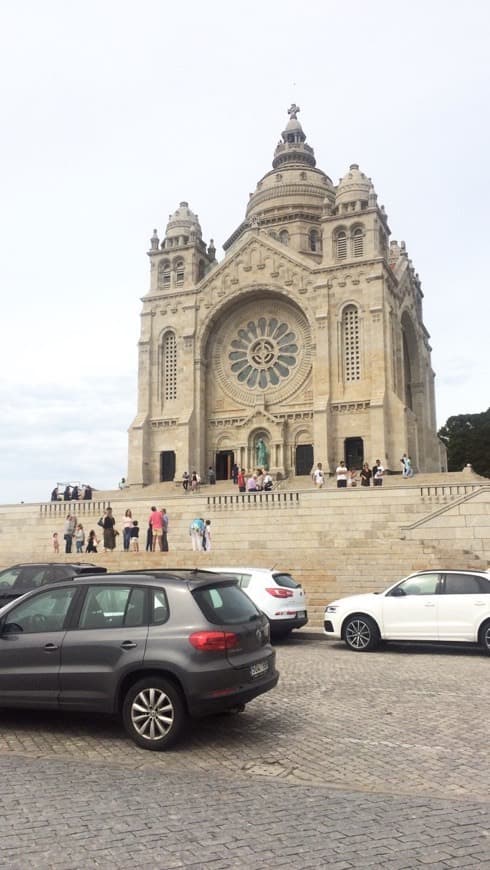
x=293 y=148
x=183 y=223
x=354 y=186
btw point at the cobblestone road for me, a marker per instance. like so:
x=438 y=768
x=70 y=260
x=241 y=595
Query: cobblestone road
x=353 y=761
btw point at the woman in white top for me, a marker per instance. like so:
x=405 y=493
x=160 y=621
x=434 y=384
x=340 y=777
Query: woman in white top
x=127 y=526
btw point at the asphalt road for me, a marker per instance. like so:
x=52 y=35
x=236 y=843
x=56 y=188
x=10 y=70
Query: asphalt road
x=355 y=760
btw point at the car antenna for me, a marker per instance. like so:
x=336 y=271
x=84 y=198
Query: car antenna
x=274 y=565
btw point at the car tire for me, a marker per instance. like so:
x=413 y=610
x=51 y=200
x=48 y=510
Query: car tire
x=361 y=633
x=153 y=713
x=485 y=636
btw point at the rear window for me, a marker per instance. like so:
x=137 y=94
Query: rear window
x=225 y=605
x=286 y=580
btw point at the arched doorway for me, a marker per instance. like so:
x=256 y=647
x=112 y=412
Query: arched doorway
x=354 y=452
x=303 y=460
x=167 y=465
x=224 y=463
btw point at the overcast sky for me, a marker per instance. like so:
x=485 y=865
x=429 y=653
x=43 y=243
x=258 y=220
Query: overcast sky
x=114 y=112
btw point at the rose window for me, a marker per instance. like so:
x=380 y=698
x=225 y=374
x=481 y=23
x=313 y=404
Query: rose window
x=263 y=353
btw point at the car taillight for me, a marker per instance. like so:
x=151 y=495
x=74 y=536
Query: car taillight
x=214 y=641
x=280 y=592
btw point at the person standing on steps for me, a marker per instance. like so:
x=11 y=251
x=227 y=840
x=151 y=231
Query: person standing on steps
x=378 y=472
x=156 y=522
x=318 y=476
x=134 y=537
x=127 y=526
x=69 y=531
x=108 y=524
x=164 y=531
x=196 y=531
x=241 y=480
x=342 y=473
x=366 y=475
x=207 y=536
x=80 y=538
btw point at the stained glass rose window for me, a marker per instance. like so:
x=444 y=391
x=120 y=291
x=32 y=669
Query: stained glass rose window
x=263 y=353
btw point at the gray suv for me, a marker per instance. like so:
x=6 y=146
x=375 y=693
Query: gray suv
x=153 y=650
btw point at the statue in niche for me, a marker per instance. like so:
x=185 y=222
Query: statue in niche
x=261 y=453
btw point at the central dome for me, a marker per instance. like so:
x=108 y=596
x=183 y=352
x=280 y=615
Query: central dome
x=294 y=182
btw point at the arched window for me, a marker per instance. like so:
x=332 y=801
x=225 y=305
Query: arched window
x=179 y=272
x=284 y=237
x=201 y=270
x=169 y=366
x=351 y=352
x=341 y=245
x=314 y=240
x=358 y=242
x=164 y=273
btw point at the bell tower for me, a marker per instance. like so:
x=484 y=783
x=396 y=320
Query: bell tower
x=181 y=260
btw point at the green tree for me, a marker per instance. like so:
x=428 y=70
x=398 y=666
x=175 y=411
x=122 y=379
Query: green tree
x=467 y=438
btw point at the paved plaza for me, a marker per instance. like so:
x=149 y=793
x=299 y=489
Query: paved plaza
x=377 y=760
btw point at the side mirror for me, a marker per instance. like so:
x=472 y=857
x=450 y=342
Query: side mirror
x=11 y=628
x=398 y=592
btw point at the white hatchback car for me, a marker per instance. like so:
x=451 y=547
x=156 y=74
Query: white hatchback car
x=445 y=606
x=276 y=593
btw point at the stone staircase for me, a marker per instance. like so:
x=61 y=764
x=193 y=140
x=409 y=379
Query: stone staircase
x=335 y=542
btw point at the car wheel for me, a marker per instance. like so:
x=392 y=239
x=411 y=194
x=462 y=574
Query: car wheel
x=361 y=633
x=153 y=713
x=485 y=636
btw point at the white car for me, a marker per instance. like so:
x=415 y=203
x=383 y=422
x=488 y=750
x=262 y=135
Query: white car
x=445 y=606
x=276 y=593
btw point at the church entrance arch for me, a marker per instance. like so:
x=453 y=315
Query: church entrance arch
x=167 y=465
x=224 y=462
x=303 y=460
x=354 y=452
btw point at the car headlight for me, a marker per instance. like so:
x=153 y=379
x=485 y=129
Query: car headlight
x=332 y=608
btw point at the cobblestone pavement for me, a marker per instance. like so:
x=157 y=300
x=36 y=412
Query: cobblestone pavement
x=375 y=760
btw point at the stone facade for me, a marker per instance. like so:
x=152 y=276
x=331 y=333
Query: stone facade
x=308 y=335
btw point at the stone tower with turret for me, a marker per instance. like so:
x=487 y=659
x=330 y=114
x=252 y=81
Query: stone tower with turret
x=307 y=337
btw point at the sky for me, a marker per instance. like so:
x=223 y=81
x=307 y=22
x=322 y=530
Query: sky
x=114 y=112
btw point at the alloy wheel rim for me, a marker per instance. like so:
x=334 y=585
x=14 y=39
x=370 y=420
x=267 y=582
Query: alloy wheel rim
x=152 y=714
x=486 y=637
x=358 y=634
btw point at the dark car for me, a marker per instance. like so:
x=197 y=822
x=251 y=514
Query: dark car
x=22 y=578
x=153 y=650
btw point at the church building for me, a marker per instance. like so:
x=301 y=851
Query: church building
x=304 y=344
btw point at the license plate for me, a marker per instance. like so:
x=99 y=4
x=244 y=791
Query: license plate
x=301 y=614
x=258 y=669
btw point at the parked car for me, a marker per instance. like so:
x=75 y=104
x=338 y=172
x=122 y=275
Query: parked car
x=153 y=650
x=276 y=593
x=22 y=578
x=443 y=605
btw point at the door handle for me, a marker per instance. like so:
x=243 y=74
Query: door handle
x=51 y=647
x=128 y=644
x=429 y=605
x=479 y=604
